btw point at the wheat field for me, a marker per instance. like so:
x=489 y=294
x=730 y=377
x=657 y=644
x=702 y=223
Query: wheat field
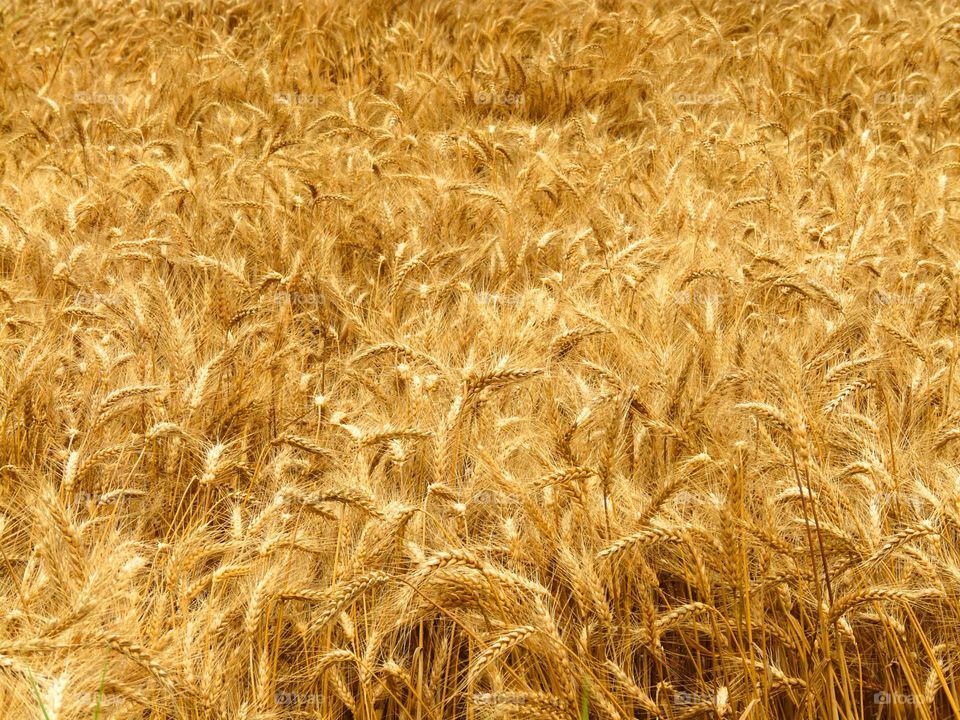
x=562 y=359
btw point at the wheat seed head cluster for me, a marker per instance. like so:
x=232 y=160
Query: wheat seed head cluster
x=535 y=359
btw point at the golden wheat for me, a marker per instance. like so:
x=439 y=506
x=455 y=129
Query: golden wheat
x=542 y=359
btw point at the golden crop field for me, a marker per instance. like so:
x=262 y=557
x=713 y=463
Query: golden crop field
x=520 y=359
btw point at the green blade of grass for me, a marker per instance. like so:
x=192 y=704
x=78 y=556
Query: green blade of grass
x=103 y=678
x=36 y=692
